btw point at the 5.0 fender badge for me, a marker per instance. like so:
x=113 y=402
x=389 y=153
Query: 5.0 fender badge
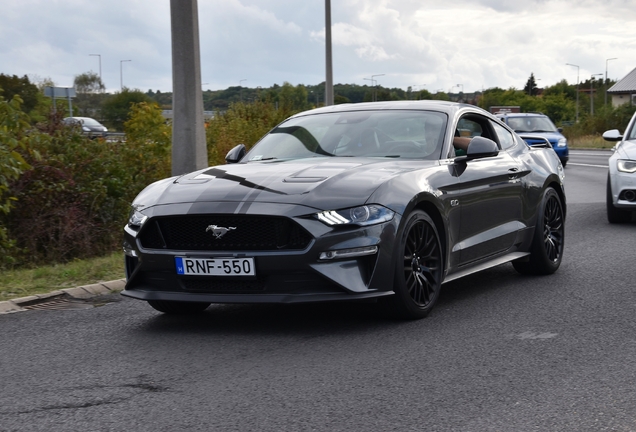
x=219 y=231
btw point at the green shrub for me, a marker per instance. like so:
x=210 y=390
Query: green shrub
x=605 y=118
x=74 y=199
x=13 y=126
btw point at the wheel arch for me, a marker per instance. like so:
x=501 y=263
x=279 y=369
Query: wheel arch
x=558 y=187
x=429 y=204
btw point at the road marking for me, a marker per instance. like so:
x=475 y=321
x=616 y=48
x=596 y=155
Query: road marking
x=588 y=165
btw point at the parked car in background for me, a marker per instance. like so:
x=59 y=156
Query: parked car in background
x=528 y=124
x=350 y=202
x=621 y=178
x=90 y=127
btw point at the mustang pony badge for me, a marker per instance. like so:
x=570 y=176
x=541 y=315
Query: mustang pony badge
x=219 y=231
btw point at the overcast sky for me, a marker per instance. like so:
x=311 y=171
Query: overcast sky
x=427 y=44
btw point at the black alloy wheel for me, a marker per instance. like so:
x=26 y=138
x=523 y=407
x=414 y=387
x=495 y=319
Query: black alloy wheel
x=549 y=236
x=419 y=268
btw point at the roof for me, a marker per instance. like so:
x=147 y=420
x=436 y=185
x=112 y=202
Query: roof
x=435 y=105
x=625 y=85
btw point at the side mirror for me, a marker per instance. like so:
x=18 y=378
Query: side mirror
x=479 y=147
x=236 y=154
x=612 y=135
x=482 y=147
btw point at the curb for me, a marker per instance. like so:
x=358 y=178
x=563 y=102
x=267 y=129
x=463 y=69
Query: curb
x=81 y=292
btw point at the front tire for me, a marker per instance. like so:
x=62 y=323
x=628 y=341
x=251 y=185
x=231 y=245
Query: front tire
x=615 y=215
x=178 y=308
x=418 y=268
x=546 y=251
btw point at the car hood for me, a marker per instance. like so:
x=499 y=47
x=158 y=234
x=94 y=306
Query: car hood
x=551 y=136
x=326 y=183
x=627 y=150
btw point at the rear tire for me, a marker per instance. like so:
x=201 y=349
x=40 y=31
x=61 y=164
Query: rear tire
x=615 y=215
x=178 y=308
x=546 y=251
x=418 y=268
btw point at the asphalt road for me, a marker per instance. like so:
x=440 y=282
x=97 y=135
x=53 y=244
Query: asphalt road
x=501 y=352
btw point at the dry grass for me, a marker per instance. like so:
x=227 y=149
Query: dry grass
x=25 y=282
x=590 y=142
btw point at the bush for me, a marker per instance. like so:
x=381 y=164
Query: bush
x=13 y=127
x=74 y=199
x=241 y=124
x=604 y=119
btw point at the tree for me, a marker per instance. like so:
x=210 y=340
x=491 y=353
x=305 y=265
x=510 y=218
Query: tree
x=88 y=82
x=89 y=88
x=293 y=98
x=116 y=108
x=14 y=85
x=531 y=86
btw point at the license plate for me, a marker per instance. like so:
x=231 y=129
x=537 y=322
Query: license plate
x=215 y=267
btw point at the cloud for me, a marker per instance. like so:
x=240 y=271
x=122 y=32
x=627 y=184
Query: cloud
x=478 y=43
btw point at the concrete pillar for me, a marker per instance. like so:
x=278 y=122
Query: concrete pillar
x=189 y=150
x=329 y=64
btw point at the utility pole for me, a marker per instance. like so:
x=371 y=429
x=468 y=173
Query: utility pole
x=592 y=92
x=121 y=74
x=329 y=77
x=189 y=150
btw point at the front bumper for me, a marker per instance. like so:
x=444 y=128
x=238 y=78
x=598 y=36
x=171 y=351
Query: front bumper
x=281 y=276
x=620 y=183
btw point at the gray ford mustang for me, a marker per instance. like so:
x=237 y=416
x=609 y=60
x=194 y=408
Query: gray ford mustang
x=385 y=200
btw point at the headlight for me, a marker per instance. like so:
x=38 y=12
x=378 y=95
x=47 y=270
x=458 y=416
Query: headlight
x=562 y=142
x=628 y=166
x=136 y=219
x=362 y=215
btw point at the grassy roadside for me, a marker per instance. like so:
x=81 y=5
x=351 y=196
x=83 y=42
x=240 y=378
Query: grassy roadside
x=25 y=282
x=590 y=142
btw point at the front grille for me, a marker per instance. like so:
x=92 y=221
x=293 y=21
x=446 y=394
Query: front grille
x=249 y=233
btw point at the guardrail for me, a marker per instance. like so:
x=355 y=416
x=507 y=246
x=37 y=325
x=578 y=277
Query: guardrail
x=115 y=136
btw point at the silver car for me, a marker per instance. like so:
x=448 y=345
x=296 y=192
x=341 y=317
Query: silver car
x=621 y=180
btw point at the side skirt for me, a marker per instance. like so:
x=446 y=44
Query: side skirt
x=486 y=265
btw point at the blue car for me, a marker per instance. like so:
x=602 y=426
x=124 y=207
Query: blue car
x=538 y=125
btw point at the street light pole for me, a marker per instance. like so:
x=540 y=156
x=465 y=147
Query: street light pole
x=606 y=61
x=372 y=86
x=592 y=92
x=375 y=89
x=100 y=66
x=121 y=74
x=241 y=87
x=577 y=90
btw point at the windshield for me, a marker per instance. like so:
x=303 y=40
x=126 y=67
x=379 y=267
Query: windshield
x=90 y=122
x=394 y=134
x=531 y=124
